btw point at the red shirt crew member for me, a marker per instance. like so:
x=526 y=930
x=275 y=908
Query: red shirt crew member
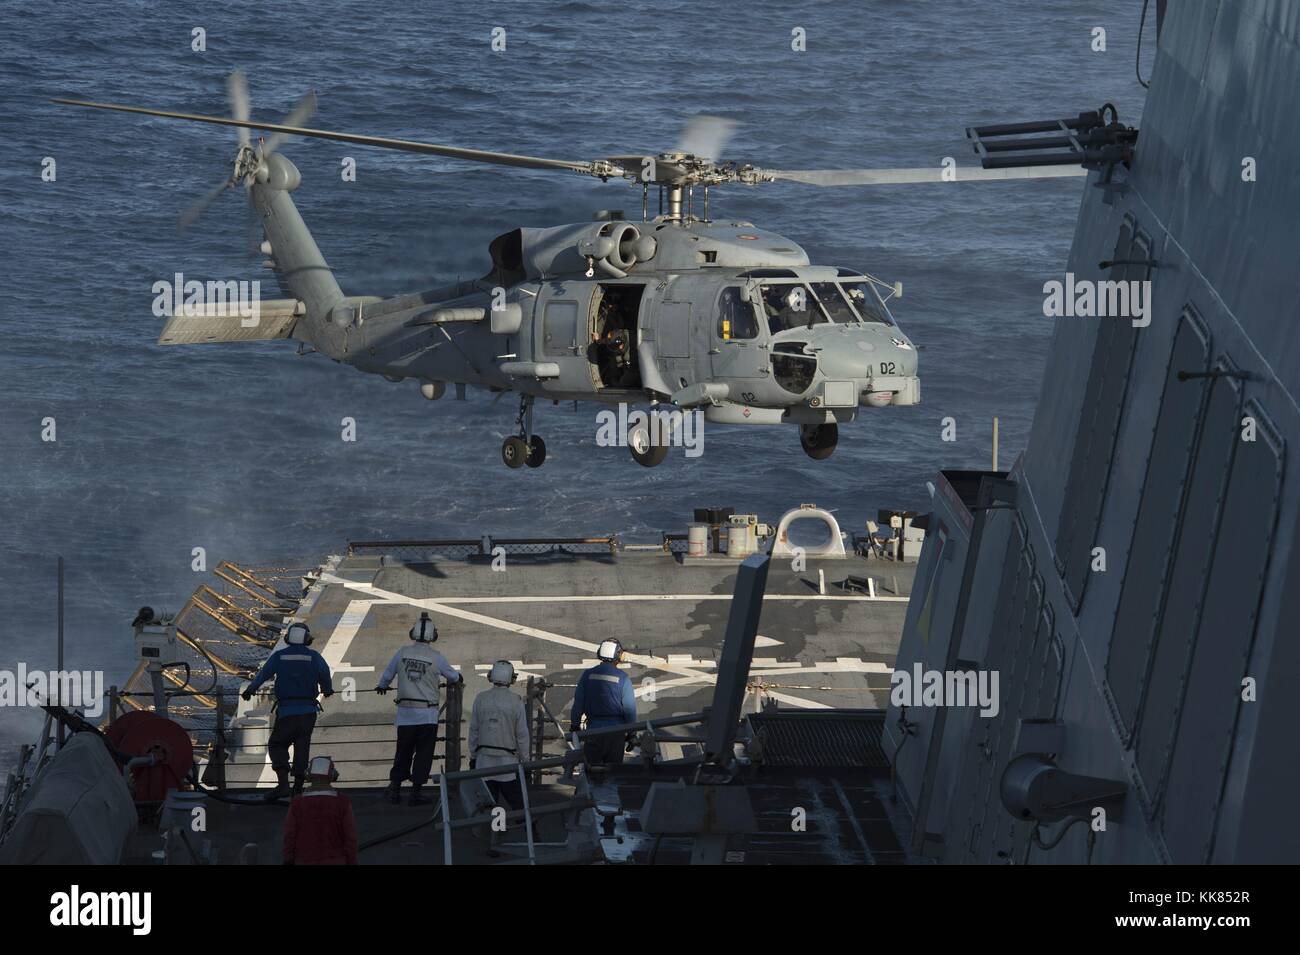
x=320 y=828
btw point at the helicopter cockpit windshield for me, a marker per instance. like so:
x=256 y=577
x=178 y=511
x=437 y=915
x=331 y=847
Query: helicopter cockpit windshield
x=833 y=302
x=866 y=301
x=790 y=305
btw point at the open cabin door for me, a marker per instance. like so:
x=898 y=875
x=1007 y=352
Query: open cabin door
x=616 y=335
x=561 y=333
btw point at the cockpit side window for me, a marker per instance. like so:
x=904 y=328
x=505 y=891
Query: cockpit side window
x=867 y=302
x=736 y=318
x=790 y=305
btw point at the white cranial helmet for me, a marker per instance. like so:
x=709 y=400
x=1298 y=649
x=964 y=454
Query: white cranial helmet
x=424 y=630
x=322 y=767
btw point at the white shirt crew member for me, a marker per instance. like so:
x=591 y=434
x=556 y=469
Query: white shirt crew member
x=417 y=667
x=498 y=730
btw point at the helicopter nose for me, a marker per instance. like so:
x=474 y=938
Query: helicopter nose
x=865 y=353
x=874 y=359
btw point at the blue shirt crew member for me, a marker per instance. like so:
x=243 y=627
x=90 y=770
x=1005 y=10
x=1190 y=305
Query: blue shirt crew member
x=300 y=673
x=604 y=696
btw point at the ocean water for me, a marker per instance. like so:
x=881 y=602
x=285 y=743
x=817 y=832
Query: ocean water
x=237 y=449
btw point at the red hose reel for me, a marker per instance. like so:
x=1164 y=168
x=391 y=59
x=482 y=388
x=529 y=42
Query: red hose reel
x=144 y=733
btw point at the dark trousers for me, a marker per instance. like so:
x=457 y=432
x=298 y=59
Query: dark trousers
x=507 y=795
x=601 y=750
x=292 y=731
x=414 y=754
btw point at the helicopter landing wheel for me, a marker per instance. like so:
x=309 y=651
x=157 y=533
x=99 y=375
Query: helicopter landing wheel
x=536 y=452
x=514 y=452
x=819 y=440
x=645 y=453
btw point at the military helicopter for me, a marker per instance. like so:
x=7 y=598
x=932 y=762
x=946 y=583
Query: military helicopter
x=678 y=311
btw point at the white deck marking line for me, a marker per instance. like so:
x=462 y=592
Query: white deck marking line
x=858 y=665
x=267 y=775
x=436 y=606
x=853 y=821
x=686 y=660
x=340 y=639
x=767 y=666
x=589 y=662
x=590 y=598
x=835 y=667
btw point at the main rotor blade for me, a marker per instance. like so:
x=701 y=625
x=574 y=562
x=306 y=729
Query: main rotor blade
x=890 y=177
x=301 y=113
x=706 y=136
x=237 y=93
x=403 y=145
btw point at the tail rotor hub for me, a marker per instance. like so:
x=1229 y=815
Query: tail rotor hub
x=250 y=164
x=247 y=162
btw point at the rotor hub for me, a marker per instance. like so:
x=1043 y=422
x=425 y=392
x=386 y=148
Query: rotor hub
x=247 y=162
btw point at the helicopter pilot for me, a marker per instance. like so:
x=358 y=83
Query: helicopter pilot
x=789 y=306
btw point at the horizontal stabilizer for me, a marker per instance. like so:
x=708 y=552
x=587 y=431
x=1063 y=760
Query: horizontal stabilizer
x=447 y=316
x=218 y=323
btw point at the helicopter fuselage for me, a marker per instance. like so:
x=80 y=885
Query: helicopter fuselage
x=722 y=316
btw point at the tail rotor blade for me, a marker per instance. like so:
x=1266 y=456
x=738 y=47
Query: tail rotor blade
x=301 y=113
x=198 y=208
x=237 y=93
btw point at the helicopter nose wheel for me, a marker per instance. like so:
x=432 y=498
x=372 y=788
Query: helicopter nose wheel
x=526 y=447
x=819 y=440
x=644 y=452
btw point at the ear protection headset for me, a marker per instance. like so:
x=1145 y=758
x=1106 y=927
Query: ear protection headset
x=322 y=767
x=502 y=673
x=298 y=635
x=424 y=630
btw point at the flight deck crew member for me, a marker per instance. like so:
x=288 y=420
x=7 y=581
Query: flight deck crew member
x=605 y=697
x=300 y=673
x=417 y=667
x=498 y=734
x=320 y=828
